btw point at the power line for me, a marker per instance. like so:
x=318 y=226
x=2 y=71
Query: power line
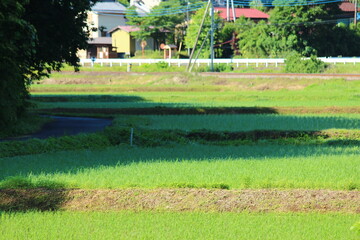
x=198 y=5
x=284 y=3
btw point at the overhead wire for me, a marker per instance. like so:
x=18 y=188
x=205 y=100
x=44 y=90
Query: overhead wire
x=283 y=3
x=198 y=5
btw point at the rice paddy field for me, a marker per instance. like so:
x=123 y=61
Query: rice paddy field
x=188 y=157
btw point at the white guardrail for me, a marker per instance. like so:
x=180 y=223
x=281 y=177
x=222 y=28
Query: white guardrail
x=183 y=62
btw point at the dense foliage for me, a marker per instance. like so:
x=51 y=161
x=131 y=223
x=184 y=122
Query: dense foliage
x=295 y=63
x=17 y=42
x=36 y=37
x=193 y=30
x=161 y=28
x=308 y=30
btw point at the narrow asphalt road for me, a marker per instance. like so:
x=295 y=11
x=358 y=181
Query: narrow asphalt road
x=61 y=126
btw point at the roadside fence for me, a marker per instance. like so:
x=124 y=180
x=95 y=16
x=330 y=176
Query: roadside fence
x=264 y=62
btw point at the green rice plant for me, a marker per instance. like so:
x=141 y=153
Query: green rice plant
x=356 y=228
x=162 y=225
x=28 y=124
x=259 y=166
x=246 y=122
x=34 y=146
x=331 y=93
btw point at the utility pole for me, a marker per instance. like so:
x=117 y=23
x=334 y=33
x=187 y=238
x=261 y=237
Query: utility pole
x=187 y=23
x=198 y=35
x=355 y=14
x=233 y=10
x=212 y=36
x=228 y=10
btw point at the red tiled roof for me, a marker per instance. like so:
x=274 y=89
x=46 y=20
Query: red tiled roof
x=246 y=12
x=347 y=7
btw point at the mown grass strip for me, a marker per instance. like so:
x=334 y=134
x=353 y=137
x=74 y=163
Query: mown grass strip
x=180 y=200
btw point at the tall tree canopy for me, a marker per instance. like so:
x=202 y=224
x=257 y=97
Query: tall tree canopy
x=159 y=24
x=36 y=37
x=194 y=27
x=307 y=29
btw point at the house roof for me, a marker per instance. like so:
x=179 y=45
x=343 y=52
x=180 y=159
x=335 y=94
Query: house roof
x=125 y=28
x=100 y=40
x=347 y=7
x=130 y=29
x=246 y=12
x=109 y=7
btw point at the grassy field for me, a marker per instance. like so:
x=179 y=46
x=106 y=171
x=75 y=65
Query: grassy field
x=259 y=167
x=244 y=122
x=181 y=90
x=281 y=135
x=145 y=225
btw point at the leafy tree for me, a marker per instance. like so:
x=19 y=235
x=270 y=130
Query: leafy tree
x=257 y=4
x=159 y=24
x=193 y=30
x=36 y=37
x=296 y=26
x=232 y=30
x=257 y=42
x=17 y=41
x=307 y=29
x=140 y=22
x=124 y=2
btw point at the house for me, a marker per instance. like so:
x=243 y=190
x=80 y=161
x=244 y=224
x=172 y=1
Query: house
x=251 y=13
x=145 y=5
x=348 y=11
x=100 y=47
x=127 y=45
x=105 y=15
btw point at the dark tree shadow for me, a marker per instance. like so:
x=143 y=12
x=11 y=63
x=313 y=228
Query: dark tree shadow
x=19 y=194
x=164 y=109
x=87 y=98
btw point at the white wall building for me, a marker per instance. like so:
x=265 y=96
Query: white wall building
x=106 y=14
x=144 y=5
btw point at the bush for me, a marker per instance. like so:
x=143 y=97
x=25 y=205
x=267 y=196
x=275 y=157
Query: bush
x=219 y=67
x=295 y=63
x=162 y=65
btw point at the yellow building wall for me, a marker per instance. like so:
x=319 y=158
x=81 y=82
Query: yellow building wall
x=123 y=42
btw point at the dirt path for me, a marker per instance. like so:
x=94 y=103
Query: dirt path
x=207 y=200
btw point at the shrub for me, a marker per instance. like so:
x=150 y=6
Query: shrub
x=162 y=65
x=295 y=63
x=220 y=67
